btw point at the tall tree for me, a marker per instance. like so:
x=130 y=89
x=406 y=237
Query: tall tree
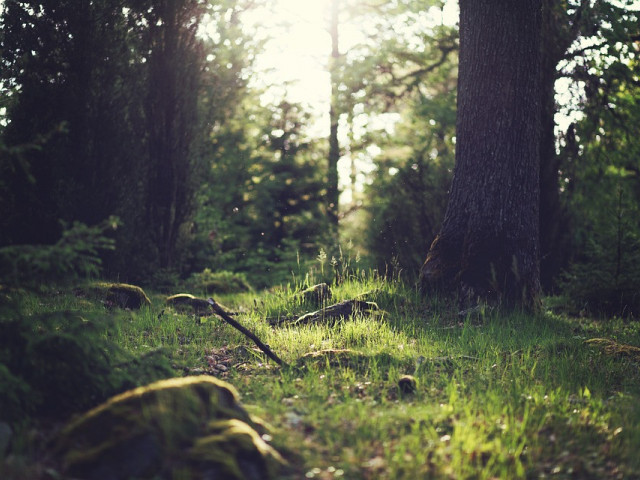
x=66 y=75
x=333 y=192
x=176 y=62
x=487 y=247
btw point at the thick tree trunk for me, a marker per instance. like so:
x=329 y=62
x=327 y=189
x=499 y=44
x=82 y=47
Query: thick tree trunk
x=487 y=247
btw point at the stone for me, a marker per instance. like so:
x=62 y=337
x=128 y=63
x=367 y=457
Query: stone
x=407 y=384
x=186 y=301
x=120 y=295
x=193 y=427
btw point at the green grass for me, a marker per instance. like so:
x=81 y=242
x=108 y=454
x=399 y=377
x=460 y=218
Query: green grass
x=497 y=396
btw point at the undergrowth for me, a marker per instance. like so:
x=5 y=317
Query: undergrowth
x=496 y=396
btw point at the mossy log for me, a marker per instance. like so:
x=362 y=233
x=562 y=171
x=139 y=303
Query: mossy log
x=334 y=312
x=613 y=348
x=193 y=426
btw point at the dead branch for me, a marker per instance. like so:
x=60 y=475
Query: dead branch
x=218 y=310
x=333 y=312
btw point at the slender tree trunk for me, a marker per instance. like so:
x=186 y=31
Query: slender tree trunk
x=558 y=33
x=487 y=247
x=333 y=193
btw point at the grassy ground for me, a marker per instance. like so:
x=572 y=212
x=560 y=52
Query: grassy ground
x=496 y=396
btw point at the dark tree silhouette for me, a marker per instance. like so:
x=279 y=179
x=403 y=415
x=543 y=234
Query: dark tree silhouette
x=487 y=247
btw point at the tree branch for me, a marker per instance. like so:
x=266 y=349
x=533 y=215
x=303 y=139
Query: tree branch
x=218 y=310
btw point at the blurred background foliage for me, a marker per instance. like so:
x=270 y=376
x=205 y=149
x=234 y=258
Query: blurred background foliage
x=146 y=110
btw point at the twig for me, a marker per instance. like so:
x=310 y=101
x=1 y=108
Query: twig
x=227 y=318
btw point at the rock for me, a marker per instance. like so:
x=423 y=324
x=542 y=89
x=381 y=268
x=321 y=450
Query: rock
x=120 y=295
x=185 y=301
x=191 y=427
x=407 y=384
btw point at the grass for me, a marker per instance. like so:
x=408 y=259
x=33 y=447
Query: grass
x=497 y=396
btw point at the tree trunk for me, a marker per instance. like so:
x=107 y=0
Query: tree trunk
x=487 y=247
x=559 y=31
x=333 y=193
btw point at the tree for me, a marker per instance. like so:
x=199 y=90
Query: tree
x=574 y=36
x=65 y=80
x=487 y=247
x=333 y=192
x=176 y=62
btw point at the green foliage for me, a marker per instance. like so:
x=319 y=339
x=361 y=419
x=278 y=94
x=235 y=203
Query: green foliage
x=407 y=199
x=107 y=115
x=601 y=181
x=605 y=277
x=76 y=254
x=262 y=205
x=55 y=364
x=512 y=396
x=219 y=282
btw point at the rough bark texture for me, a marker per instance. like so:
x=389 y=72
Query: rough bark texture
x=487 y=247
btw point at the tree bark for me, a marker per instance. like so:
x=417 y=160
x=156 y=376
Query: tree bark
x=487 y=248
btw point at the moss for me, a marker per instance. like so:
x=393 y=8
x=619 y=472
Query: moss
x=159 y=422
x=69 y=374
x=185 y=301
x=235 y=449
x=120 y=295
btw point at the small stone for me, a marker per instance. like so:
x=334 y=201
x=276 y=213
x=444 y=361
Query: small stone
x=407 y=384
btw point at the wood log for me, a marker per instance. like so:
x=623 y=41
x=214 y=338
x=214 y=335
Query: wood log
x=334 y=312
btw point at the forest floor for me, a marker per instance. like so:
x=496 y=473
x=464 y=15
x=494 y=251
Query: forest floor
x=494 y=396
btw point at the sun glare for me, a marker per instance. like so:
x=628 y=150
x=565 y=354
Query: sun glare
x=294 y=65
x=295 y=58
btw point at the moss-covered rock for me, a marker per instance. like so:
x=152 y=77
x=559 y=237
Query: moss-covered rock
x=190 y=427
x=188 y=302
x=120 y=295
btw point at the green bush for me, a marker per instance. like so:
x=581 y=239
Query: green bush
x=75 y=255
x=57 y=364
x=607 y=280
x=219 y=282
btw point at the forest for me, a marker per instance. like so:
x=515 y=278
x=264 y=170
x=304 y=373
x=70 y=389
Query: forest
x=363 y=239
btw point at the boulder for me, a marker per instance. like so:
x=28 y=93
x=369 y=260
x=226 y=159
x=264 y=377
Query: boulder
x=191 y=427
x=120 y=295
x=188 y=302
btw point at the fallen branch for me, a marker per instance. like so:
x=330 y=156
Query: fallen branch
x=218 y=310
x=339 y=310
